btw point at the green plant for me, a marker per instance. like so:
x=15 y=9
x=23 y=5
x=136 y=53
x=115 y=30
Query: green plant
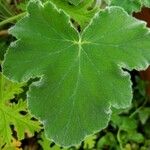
x=81 y=54
x=10 y=113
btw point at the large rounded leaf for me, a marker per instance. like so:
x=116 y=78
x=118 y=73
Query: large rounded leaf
x=81 y=75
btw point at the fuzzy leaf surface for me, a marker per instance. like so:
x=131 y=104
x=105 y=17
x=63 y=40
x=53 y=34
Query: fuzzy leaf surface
x=81 y=74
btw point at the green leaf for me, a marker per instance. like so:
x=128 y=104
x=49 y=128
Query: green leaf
x=8 y=89
x=89 y=142
x=129 y=5
x=22 y=5
x=81 y=75
x=108 y=140
x=128 y=124
x=124 y=123
x=144 y=114
x=10 y=113
x=129 y=127
x=135 y=137
x=81 y=13
x=45 y=143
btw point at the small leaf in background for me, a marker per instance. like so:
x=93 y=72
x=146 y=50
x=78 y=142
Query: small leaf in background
x=146 y=145
x=127 y=131
x=129 y=5
x=89 y=142
x=81 y=13
x=22 y=5
x=108 y=141
x=10 y=113
x=44 y=142
x=48 y=145
x=8 y=89
x=127 y=123
x=135 y=137
x=144 y=114
x=81 y=76
x=141 y=86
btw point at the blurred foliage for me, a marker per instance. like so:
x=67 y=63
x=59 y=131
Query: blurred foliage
x=6 y=9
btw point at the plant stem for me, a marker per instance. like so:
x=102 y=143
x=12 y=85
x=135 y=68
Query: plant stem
x=11 y=19
x=138 y=109
x=119 y=140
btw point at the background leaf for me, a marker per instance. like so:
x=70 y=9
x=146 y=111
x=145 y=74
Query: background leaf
x=144 y=114
x=82 y=13
x=10 y=113
x=129 y=5
x=89 y=142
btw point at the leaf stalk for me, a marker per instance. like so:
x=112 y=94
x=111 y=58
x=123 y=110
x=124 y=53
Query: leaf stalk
x=11 y=19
